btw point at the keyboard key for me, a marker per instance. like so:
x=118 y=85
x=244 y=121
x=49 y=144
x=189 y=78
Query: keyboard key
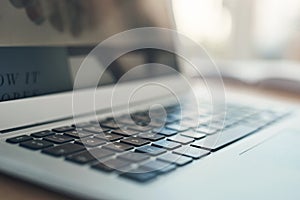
x=135 y=141
x=125 y=132
x=18 y=139
x=158 y=166
x=58 y=139
x=63 y=129
x=140 y=128
x=102 y=167
x=78 y=134
x=95 y=129
x=139 y=119
x=36 y=144
x=117 y=164
x=206 y=130
x=151 y=150
x=81 y=157
x=177 y=127
x=90 y=142
x=168 y=168
x=181 y=139
x=118 y=146
x=191 y=152
x=166 y=144
x=64 y=149
x=101 y=152
x=151 y=136
x=228 y=136
x=165 y=132
x=175 y=159
x=90 y=155
x=139 y=175
x=193 y=134
x=134 y=157
x=109 y=137
x=42 y=134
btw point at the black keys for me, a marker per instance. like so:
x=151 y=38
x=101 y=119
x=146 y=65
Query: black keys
x=139 y=175
x=151 y=150
x=181 y=139
x=64 y=149
x=159 y=166
x=228 y=136
x=125 y=132
x=18 y=139
x=166 y=144
x=134 y=157
x=81 y=157
x=175 y=159
x=193 y=134
x=78 y=134
x=165 y=132
x=63 y=129
x=58 y=139
x=90 y=142
x=135 y=141
x=90 y=155
x=36 y=144
x=118 y=146
x=151 y=136
x=42 y=134
x=109 y=137
x=191 y=152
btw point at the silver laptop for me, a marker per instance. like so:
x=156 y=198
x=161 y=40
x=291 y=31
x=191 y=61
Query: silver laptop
x=135 y=132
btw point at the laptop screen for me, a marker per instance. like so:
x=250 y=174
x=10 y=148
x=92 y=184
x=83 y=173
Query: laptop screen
x=43 y=42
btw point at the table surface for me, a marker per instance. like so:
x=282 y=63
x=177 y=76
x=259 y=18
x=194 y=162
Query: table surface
x=14 y=188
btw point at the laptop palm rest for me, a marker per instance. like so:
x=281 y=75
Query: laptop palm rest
x=276 y=162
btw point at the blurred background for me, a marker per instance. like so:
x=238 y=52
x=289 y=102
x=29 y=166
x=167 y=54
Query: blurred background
x=252 y=41
x=228 y=29
x=248 y=29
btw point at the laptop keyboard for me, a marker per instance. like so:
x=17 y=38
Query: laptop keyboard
x=147 y=152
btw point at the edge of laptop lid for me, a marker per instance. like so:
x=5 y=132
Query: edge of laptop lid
x=35 y=110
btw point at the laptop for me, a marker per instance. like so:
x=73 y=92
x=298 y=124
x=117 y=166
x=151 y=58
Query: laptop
x=135 y=132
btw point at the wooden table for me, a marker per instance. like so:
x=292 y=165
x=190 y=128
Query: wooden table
x=12 y=188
